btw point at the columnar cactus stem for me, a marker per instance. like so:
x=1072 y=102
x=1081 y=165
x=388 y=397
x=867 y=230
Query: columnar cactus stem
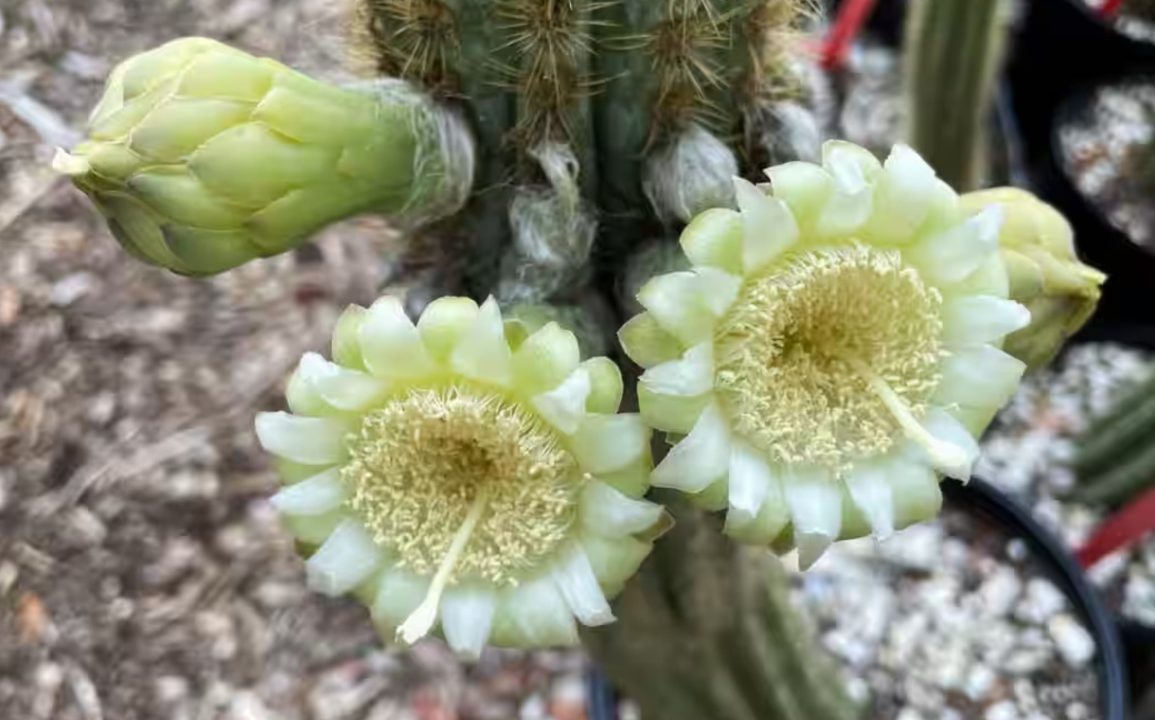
x=707 y=630
x=953 y=49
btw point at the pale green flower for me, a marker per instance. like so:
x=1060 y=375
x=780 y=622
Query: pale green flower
x=458 y=478
x=820 y=363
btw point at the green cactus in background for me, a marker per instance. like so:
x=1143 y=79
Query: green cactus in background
x=953 y=51
x=542 y=141
x=1116 y=455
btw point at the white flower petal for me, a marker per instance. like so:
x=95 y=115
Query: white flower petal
x=687 y=304
x=978 y=377
x=605 y=443
x=545 y=359
x=751 y=481
x=467 y=616
x=399 y=592
x=444 y=322
x=301 y=392
x=606 y=386
x=979 y=319
x=804 y=186
x=313 y=529
x=903 y=196
x=646 y=343
x=816 y=509
x=307 y=440
x=671 y=413
x=714 y=238
x=700 y=458
x=483 y=353
x=341 y=387
x=769 y=228
x=614 y=560
x=948 y=430
x=765 y=527
x=533 y=614
x=952 y=254
x=871 y=493
x=564 y=407
x=390 y=344
x=344 y=560
x=318 y=494
x=913 y=486
x=608 y=512
x=346 y=343
x=575 y=580
x=991 y=278
x=690 y=375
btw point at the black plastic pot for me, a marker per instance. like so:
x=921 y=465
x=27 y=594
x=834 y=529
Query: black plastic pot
x=983 y=500
x=1062 y=52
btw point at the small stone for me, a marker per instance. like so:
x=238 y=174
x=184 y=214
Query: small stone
x=70 y=289
x=170 y=689
x=1000 y=591
x=247 y=706
x=1005 y=710
x=979 y=682
x=1077 y=711
x=1075 y=644
x=1041 y=601
x=1026 y=661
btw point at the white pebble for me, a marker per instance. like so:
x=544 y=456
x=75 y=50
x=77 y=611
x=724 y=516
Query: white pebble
x=1005 y=710
x=1075 y=644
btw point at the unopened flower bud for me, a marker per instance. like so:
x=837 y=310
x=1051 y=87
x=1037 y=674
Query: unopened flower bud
x=202 y=157
x=1037 y=246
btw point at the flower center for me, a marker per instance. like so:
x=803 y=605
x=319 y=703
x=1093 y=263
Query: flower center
x=809 y=346
x=461 y=483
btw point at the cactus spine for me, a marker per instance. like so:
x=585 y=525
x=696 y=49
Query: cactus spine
x=953 y=50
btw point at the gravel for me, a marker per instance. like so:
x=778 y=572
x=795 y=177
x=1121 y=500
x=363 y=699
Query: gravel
x=951 y=620
x=1029 y=448
x=1102 y=145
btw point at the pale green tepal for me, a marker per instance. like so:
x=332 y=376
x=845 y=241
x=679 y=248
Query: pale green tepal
x=1038 y=247
x=202 y=157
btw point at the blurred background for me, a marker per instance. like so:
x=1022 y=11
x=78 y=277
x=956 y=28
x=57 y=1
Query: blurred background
x=143 y=573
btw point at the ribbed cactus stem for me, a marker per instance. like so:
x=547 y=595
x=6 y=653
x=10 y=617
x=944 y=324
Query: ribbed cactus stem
x=953 y=50
x=707 y=630
x=1116 y=457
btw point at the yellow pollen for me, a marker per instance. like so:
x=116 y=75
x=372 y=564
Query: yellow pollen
x=780 y=354
x=420 y=464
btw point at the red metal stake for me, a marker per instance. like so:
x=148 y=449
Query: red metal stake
x=852 y=16
x=1123 y=528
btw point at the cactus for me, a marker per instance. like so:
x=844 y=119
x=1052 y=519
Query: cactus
x=1116 y=455
x=953 y=50
x=581 y=128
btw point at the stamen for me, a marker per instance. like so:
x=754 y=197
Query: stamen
x=942 y=454
x=421 y=620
